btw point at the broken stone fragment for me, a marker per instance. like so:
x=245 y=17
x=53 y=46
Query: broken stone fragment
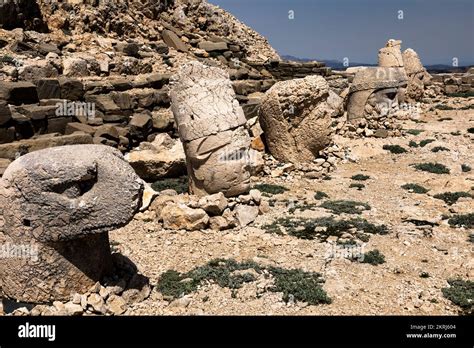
x=390 y=56
x=418 y=77
x=211 y=123
x=62 y=203
x=246 y=214
x=180 y=217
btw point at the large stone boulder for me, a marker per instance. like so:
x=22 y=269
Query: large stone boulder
x=374 y=91
x=211 y=126
x=295 y=116
x=418 y=77
x=61 y=204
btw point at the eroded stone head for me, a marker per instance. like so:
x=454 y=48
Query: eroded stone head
x=58 y=204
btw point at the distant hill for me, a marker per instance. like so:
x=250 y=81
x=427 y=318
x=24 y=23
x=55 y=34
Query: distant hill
x=338 y=65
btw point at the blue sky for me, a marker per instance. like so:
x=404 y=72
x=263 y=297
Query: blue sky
x=439 y=30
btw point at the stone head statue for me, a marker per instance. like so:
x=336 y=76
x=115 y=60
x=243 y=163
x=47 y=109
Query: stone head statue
x=390 y=56
x=60 y=203
x=211 y=126
x=418 y=77
x=374 y=89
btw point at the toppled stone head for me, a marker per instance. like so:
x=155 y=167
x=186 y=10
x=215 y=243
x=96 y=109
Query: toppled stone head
x=374 y=91
x=211 y=126
x=60 y=203
x=418 y=77
x=295 y=116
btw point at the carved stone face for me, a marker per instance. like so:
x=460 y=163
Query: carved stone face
x=220 y=163
x=61 y=204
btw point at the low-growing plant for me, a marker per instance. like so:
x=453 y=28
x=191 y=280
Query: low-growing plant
x=467 y=94
x=271 y=189
x=470 y=130
x=445 y=119
x=435 y=168
x=413 y=144
x=465 y=168
x=425 y=142
x=293 y=283
x=319 y=195
x=374 y=257
x=461 y=293
x=324 y=227
x=180 y=185
x=451 y=198
x=439 y=149
x=424 y=275
x=456 y=133
x=444 y=107
x=463 y=220
x=415 y=188
x=357 y=186
x=360 y=177
x=395 y=149
x=346 y=207
x=414 y=131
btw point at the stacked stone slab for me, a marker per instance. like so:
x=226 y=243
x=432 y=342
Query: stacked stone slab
x=296 y=116
x=211 y=123
x=62 y=202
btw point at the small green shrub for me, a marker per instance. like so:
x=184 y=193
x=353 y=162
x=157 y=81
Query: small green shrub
x=435 y=168
x=424 y=275
x=444 y=107
x=360 y=177
x=180 y=185
x=451 y=198
x=467 y=94
x=319 y=195
x=414 y=131
x=271 y=189
x=374 y=257
x=395 y=149
x=346 y=207
x=466 y=221
x=425 y=142
x=357 y=186
x=456 y=133
x=470 y=130
x=445 y=119
x=322 y=228
x=413 y=144
x=439 y=149
x=293 y=283
x=465 y=168
x=415 y=188
x=461 y=293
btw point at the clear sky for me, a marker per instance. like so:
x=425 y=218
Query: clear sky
x=438 y=30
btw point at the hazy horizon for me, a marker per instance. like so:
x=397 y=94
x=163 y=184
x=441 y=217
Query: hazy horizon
x=439 y=30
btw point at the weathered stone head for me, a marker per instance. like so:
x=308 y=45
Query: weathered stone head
x=374 y=91
x=211 y=126
x=59 y=204
x=418 y=77
x=295 y=116
x=390 y=56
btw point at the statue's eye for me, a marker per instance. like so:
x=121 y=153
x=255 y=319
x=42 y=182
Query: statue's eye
x=74 y=189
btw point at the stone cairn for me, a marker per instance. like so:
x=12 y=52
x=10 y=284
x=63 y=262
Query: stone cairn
x=62 y=202
x=211 y=124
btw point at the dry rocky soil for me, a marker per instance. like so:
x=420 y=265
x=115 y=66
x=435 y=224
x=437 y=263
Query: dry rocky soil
x=422 y=243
